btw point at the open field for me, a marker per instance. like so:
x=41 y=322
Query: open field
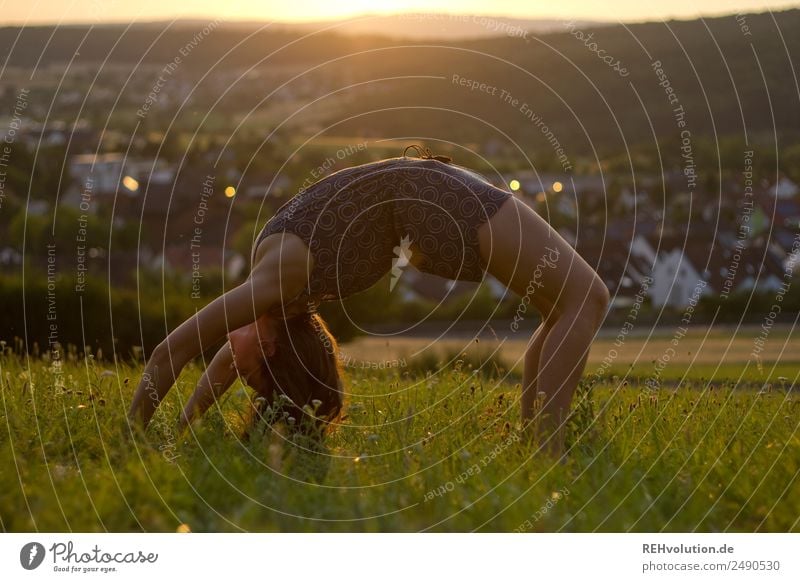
x=709 y=353
x=423 y=445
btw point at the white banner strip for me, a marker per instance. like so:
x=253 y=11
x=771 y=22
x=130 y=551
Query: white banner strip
x=401 y=557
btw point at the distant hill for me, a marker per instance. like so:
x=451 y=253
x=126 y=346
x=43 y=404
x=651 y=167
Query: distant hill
x=441 y=26
x=732 y=78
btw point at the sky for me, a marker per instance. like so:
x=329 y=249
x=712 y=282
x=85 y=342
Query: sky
x=96 y=11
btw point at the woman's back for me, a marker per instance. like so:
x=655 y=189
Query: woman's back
x=353 y=219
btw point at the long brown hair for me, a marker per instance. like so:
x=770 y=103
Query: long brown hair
x=304 y=377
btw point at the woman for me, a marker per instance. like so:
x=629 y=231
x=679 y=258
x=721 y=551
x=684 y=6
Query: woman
x=296 y=362
x=338 y=237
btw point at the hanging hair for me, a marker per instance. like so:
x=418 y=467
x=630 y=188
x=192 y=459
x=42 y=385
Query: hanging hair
x=303 y=378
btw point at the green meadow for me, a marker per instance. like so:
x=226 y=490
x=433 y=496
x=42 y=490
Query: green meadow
x=428 y=441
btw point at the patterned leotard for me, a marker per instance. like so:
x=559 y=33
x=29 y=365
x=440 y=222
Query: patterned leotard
x=354 y=219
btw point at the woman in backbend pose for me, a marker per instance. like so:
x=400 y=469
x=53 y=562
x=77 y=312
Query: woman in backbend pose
x=337 y=238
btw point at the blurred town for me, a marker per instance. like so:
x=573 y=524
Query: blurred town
x=152 y=170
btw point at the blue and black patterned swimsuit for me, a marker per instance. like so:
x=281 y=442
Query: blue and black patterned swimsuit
x=353 y=220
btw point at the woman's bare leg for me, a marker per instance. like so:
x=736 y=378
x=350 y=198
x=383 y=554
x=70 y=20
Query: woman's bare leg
x=280 y=273
x=217 y=378
x=534 y=261
x=530 y=374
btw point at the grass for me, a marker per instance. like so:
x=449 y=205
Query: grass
x=422 y=446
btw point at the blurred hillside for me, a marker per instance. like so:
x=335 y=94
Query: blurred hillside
x=665 y=152
x=732 y=76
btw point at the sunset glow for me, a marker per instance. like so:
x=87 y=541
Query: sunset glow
x=90 y=11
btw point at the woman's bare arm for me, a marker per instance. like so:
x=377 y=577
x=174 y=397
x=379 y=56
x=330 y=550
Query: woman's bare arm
x=217 y=378
x=281 y=272
x=235 y=308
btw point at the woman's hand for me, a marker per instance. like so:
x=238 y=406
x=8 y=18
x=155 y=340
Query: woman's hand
x=280 y=271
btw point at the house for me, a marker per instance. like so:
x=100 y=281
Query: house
x=10 y=257
x=263 y=186
x=79 y=135
x=676 y=278
x=415 y=285
x=622 y=265
x=699 y=265
x=785 y=188
x=180 y=258
x=628 y=199
x=782 y=212
x=98 y=174
x=37 y=208
x=155 y=171
x=531 y=182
